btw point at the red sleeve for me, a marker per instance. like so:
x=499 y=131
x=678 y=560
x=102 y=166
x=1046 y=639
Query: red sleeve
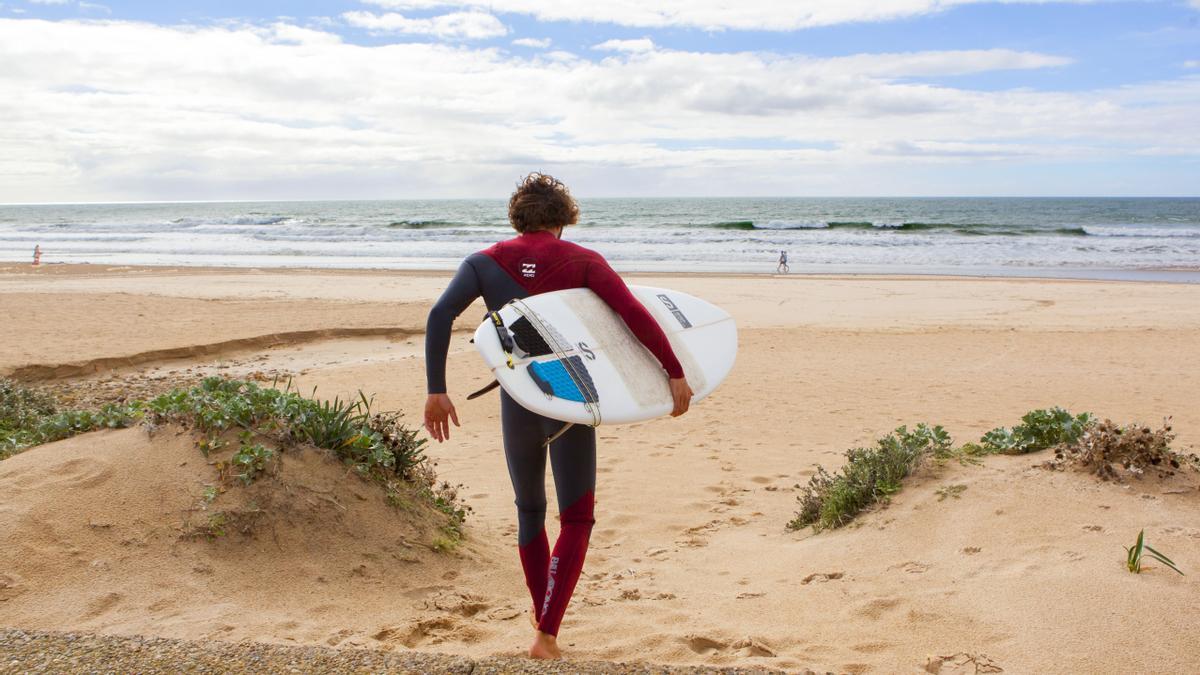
x=612 y=290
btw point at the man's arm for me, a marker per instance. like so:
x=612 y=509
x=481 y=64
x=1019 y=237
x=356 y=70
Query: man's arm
x=462 y=291
x=612 y=290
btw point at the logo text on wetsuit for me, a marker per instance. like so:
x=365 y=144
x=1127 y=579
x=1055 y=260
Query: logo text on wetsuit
x=675 y=311
x=528 y=269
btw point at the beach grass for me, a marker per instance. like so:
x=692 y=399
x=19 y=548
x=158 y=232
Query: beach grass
x=831 y=500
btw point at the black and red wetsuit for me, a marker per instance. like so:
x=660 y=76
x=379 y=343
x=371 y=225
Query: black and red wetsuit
x=533 y=263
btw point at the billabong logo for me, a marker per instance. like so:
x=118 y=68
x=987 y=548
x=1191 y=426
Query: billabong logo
x=550 y=584
x=675 y=311
x=528 y=269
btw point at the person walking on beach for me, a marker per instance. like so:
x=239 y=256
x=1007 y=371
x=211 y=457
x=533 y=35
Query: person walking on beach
x=783 y=264
x=37 y=255
x=537 y=261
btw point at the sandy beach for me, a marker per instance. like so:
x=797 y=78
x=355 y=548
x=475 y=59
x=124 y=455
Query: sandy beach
x=691 y=562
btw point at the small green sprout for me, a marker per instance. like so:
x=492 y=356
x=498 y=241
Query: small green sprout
x=1133 y=557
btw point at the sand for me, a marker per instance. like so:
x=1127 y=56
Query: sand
x=691 y=563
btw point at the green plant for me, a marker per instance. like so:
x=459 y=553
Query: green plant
x=1039 y=429
x=1140 y=549
x=251 y=459
x=29 y=417
x=210 y=493
x=869 y=475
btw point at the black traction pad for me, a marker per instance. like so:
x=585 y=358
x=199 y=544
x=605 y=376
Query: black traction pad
x=528 y=339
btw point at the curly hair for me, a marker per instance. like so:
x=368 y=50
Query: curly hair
x=541 y=202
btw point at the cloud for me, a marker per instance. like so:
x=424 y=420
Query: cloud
x=284 y=111
x=942 y=63
x=471 y=25
x=540 y=43
x=1192 y=64
x=640 y=45
x=771 y=15
x=51 y=2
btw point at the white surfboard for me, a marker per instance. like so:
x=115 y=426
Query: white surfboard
x=570 y=357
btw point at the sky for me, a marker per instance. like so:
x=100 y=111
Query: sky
x=393 y=99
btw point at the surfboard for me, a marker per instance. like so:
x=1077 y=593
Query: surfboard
x=570 y=357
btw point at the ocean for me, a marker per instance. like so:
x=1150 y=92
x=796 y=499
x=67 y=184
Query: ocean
x=1143 y=238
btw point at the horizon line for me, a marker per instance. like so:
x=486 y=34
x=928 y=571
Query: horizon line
x=447 y=199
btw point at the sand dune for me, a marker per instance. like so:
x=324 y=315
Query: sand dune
x=690 y=562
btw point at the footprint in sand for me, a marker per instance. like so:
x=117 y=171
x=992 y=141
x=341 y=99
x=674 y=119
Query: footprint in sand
x=821 y=577
x=102 y=605
x=912 y=567
x=971 y=550
x=504 y=613
x=455 y=602
x=875 y=609
x=427 y=631
x=1093 y=528
x=961 y=663
x=703 y=645
x=748 y=646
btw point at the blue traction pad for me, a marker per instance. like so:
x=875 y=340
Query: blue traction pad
x=554 y=378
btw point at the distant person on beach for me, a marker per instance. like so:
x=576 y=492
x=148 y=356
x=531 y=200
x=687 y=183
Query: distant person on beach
x=37 y=255
x=783 y=265
x=537 y=261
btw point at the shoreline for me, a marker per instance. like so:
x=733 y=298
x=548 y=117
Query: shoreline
x=1142 y=276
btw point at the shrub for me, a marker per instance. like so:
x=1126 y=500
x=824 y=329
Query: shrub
x=1135 y=448
x=1039 y=429
x=869 y=475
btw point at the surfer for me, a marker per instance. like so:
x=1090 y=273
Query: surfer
x=783 y=265
x=537 y=261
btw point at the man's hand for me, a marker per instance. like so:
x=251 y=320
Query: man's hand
x=680 y=392
x=437 y=409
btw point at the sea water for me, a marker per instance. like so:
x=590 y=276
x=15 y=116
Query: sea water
x=1078 y=237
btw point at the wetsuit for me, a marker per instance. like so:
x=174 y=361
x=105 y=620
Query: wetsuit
x=533 y=263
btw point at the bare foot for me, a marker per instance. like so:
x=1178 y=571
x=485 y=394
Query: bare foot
x=545 y=646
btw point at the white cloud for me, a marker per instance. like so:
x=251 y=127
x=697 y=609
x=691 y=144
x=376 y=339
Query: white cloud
x=540 y=43
x=471 y=25
x=639 y=45
x=938 y=63
x=284 y=111
x=1192 y=64
x=50 y=2
x=94 y=7
x=780 y=15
